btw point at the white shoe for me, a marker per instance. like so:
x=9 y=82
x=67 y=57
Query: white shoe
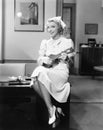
x=59 y=110
x=31 y=83
x=53 y=117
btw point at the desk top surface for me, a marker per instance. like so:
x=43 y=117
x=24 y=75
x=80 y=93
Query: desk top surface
x=6 y=82
x=4 y=79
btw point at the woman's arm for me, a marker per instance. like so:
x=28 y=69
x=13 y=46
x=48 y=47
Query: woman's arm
x=68 y=48
x=42 y=54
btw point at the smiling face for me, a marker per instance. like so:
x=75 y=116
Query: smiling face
x=53 y=29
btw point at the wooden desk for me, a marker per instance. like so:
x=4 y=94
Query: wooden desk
x=6 y=82
x=14 y=93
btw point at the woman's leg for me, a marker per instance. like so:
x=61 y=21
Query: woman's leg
x=36 y=87
x=46 y=95
x=42 y=91
x=50 y=106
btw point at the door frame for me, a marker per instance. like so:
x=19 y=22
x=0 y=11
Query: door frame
x=59 y=12
x=72 y=6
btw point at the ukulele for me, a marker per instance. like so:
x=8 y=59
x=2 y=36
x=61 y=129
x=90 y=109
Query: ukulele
x=56 y=59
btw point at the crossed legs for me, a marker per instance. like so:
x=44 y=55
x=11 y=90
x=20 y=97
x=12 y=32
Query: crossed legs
x=44 y=94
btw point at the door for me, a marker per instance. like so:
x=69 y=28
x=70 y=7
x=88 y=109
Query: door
x=68 y=12
x=68 y=17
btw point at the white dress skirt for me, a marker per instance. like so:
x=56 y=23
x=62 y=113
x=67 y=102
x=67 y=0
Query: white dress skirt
x=55 y=80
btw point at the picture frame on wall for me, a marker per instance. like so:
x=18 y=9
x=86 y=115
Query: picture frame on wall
x=29 y=15
x=91 y=28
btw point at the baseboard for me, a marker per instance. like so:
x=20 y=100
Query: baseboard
x=87 y=101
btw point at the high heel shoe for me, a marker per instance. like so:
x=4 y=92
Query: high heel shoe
x=60 y=111
x=53 y=117
x=57 y=121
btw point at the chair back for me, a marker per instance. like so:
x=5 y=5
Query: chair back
x=12 y=69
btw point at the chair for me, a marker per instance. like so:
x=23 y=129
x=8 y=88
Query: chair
x=92 y=42
x=98 y=69
x=12 y=69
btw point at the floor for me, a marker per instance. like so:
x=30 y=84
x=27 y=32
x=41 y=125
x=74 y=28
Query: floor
x=86 y=109
x=86 y=103
x=23 y=120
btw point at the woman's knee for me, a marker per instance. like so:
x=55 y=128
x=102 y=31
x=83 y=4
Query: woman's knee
x=36 y=86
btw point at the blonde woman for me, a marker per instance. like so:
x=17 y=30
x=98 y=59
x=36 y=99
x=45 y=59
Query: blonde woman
x=53 y=69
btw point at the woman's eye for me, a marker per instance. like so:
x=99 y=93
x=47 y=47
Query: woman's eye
x=50 y=27
x=53 y=26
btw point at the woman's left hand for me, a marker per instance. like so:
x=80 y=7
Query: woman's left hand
x=46 y=60
x=53 y=57
x=63 y=56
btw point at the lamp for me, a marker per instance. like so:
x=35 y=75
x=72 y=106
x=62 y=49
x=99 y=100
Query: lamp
x=19 y=14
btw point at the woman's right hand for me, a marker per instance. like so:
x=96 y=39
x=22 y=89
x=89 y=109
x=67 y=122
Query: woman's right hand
x=44 y=59
x=47 y=60
x=53 y=57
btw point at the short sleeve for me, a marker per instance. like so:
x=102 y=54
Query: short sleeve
x=71 y=46
x=67 y=44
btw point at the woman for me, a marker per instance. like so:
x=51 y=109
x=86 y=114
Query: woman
x=52 y=72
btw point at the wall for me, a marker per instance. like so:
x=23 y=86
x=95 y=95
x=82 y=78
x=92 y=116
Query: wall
x=0 y=30
x=88 y=11
x=24 y=45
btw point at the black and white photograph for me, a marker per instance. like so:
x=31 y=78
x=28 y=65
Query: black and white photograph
x=29 y=15
x=51 y=64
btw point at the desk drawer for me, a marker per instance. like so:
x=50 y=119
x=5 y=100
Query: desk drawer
x=15 y=94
